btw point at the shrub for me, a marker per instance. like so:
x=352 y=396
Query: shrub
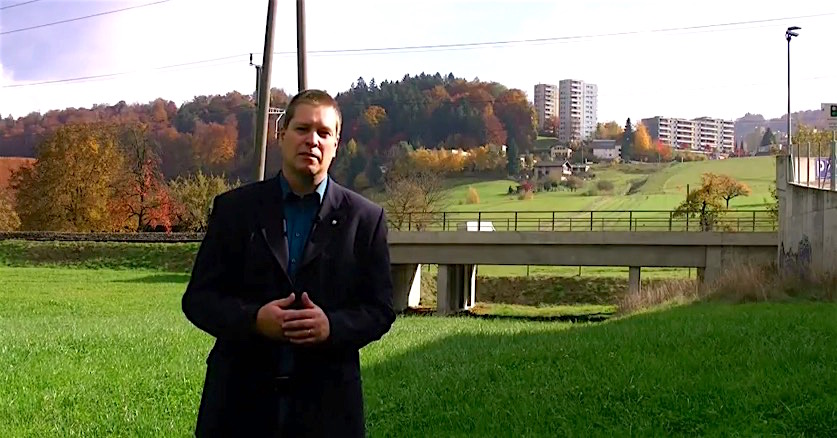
x=573 y=183
x=636 y=185
x=472 y=197
x=361 y=182
x=605 y=186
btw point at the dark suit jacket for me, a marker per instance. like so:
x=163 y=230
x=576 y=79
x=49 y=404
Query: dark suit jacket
x=241 y=265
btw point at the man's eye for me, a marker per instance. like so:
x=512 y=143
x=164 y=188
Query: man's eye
x=325 y=133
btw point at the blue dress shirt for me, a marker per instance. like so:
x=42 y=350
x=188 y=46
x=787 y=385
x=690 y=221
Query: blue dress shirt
x=299 y=219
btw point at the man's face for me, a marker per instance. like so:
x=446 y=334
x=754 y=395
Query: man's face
x=309 y=143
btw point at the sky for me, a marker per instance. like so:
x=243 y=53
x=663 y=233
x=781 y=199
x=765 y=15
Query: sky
x=648 y=57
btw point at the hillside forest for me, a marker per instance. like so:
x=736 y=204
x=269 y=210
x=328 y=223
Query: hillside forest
x=119 y=167
x=215 y=134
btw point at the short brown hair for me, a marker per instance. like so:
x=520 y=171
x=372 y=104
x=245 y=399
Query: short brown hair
x=311 y=97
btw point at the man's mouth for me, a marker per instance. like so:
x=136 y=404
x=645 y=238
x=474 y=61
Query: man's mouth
x=310 y=155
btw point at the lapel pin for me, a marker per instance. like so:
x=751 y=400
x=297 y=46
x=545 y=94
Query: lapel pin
x=334 y=221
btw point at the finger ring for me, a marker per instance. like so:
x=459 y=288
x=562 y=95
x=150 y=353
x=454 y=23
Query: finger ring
x=310 y=332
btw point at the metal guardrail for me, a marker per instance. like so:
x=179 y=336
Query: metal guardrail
x=558 y=221
x=127 y=237
x=601 y=220
x=813 y=166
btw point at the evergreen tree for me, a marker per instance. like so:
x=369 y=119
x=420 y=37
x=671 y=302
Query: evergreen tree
x=628 y=141
x=512 y=155
x=768 y=138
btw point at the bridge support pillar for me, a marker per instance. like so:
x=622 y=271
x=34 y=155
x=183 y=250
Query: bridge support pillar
x=406 y=282
x=712 y=272
x=634 y=279
x=455 y=288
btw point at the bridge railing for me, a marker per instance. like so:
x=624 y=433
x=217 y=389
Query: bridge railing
x=569 y=220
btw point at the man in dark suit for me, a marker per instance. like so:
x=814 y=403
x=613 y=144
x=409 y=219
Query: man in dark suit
x=292 y=279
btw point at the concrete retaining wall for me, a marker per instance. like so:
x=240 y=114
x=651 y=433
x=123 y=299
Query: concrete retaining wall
x=807 y=225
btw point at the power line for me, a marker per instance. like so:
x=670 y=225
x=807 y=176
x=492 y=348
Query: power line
x=79 y=18
x=434 y=47
x=19 y=4
x=196 y=64
x=110 y=75
x=560 y=38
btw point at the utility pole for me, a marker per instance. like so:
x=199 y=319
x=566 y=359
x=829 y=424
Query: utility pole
x=256 y=99
x=258 y=77
x=301 y=59
x=264 y=92
x=789 y=34
x=832 y=160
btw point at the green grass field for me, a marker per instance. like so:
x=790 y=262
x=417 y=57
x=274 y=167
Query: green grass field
x=664 y=190
x=100 y=352
x=642 y=198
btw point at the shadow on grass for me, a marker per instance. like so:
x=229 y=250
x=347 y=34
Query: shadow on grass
x=159 y=278
x=699 y=369
x=580 y=318
x=488 y=314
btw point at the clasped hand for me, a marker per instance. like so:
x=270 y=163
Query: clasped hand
x=308 y=325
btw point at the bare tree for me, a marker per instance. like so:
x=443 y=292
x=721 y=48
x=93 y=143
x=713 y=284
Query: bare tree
x=413 y=198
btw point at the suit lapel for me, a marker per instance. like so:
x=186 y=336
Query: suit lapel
x=326 y=224
x=272 y=223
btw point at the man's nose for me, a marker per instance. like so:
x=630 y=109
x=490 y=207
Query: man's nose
x=312 y=138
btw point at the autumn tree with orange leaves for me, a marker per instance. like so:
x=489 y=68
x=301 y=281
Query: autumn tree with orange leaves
x=73 y=184
x=214 y=144
x=143 y=194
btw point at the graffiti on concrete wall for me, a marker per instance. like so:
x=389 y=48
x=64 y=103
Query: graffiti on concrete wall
x=797 y=262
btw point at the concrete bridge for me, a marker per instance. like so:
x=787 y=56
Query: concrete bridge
x=459 y=252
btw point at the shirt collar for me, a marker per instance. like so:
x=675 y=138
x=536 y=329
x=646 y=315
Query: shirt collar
x=288 y=194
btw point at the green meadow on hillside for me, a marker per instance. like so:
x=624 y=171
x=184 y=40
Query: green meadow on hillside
x=641 y=198
x=663 y=189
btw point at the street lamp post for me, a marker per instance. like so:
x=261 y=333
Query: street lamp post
x=790 y=33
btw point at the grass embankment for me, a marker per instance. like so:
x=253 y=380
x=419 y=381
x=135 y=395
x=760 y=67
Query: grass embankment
x=108 y=352
x=543 y=286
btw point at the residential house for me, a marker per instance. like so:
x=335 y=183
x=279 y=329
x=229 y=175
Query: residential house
x=560 y=152
x=606 y=150
x=580 y=168
x=556 y=152
x=557 y=170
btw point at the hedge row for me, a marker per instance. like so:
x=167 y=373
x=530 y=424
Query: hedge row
x=102 y=237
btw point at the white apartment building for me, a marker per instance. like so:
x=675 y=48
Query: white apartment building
x=698 y=134
x=577 y=110
x=546 y=102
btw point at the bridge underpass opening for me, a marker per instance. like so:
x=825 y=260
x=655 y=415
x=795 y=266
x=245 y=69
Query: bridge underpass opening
x=461 y=287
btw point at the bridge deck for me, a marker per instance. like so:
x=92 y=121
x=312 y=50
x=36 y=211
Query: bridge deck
x=597 y=248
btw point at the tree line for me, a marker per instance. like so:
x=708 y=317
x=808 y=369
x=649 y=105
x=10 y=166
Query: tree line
x=156 y=165
x=214 y=134
x=105 y=177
